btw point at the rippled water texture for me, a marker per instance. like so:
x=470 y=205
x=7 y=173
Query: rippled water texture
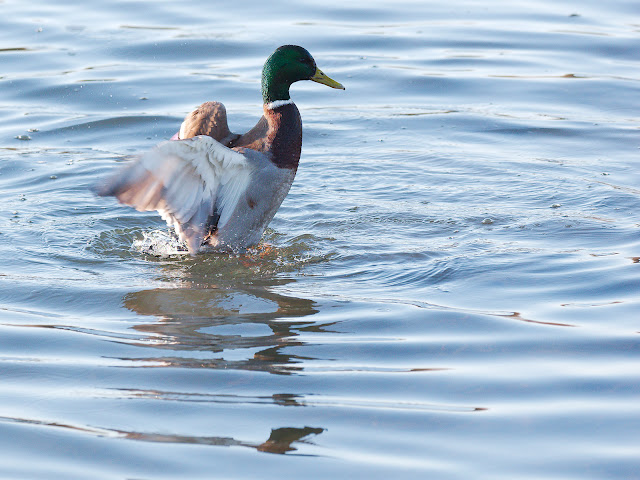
x=449 y=291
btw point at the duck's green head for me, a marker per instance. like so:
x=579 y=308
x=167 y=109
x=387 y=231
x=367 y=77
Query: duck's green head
x=289 y=64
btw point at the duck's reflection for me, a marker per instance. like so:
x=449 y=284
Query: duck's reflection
x=224 y=327
x=223 y=313
x=280 y=441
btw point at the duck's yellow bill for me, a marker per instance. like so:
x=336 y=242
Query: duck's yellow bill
x=322 y=78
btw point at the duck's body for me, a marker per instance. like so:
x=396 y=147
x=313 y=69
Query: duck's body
x=272 y=154
x=218 y=189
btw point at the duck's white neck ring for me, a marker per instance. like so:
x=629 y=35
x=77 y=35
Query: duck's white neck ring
x=278 y=103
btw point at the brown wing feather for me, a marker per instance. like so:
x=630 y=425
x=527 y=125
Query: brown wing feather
x=209 y=119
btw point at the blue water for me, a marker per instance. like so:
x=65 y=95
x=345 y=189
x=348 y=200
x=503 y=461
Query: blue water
x=450 y=290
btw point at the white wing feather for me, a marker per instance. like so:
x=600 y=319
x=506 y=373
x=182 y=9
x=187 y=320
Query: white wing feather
x=186 y=181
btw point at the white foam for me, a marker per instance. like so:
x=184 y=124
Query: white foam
x=160 y=243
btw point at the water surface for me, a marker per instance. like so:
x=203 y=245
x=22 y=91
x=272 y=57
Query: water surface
x=449 y=291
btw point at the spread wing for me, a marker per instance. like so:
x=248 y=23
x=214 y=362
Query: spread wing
x=187 y=182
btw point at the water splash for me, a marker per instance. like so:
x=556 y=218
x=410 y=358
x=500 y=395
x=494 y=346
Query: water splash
x=160 y=243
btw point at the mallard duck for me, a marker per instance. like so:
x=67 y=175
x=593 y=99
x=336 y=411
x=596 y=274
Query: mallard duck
x=218 y=189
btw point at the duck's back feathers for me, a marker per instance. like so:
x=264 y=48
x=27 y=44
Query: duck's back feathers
x=210 y=119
